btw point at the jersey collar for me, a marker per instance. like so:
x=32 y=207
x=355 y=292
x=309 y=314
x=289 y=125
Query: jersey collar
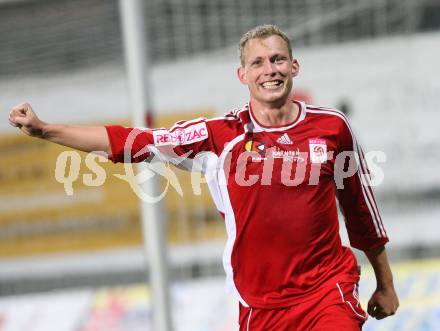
x=257 y=127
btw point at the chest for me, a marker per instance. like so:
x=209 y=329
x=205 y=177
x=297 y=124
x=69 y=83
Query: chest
x=283 y=158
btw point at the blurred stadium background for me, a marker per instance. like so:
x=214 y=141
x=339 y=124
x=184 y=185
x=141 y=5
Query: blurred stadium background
x=76 y=262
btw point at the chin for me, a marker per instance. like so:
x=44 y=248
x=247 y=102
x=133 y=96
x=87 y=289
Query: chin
x=275 y=98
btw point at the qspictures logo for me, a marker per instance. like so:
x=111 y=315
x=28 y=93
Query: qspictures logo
x=204 y=169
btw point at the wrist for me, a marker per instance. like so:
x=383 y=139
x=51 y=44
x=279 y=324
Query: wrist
x=45 y=129
x=385 y=284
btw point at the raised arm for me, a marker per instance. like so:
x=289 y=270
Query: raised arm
x=83 y=138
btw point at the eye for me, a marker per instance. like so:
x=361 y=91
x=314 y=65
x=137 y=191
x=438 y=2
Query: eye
x=280 y=59
x=256 y=62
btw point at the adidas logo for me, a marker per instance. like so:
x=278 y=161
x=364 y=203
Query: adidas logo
x=284 y=140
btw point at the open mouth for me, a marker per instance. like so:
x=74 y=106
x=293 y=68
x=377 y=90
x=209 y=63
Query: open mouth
x=273 y=84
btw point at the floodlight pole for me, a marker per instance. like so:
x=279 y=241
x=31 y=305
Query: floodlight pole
x=136 y=59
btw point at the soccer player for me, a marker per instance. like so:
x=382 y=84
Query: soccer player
x=276 y=167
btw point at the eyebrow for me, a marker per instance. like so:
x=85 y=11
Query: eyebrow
x=275 y=56
x=271 y=58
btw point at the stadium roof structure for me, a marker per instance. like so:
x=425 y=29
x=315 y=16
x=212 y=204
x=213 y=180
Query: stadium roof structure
x=46 y=36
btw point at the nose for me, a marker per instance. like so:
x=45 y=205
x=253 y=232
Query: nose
x=269 y=68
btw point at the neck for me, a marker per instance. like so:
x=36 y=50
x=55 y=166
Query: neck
x=274 y=115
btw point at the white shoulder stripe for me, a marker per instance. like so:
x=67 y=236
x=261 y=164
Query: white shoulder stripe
x=186 y=123
x=313 y=107
x=368 y=184
x=237 y=111
x=227 y=118
x=366 y=190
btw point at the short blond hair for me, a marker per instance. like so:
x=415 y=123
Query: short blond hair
x=262 y=32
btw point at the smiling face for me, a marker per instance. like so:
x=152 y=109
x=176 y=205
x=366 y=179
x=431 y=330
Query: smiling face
x=267 y=70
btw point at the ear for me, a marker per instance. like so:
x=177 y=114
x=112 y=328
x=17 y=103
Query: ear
x=241 y=74
x=295 y=67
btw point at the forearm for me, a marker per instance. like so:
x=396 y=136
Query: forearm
x=83 y=138
x=381 y=266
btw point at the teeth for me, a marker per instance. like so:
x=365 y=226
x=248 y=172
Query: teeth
x=272 y=84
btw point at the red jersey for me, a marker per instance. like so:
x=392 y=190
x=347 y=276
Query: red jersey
x=276 y=188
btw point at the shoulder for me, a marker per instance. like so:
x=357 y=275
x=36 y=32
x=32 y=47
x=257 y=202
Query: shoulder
x=202 y=123
x=325 y=112
x=226 y=124
x=331 y=117
x=231 y=120
x=228 y=118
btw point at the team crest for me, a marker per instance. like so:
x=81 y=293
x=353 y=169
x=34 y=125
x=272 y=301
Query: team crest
x=318 y=150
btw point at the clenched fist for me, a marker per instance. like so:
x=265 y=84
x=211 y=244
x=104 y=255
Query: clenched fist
x=383 y=303
x=23 y=117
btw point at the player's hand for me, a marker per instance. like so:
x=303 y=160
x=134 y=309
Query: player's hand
x=383 y=303
x=23 y=117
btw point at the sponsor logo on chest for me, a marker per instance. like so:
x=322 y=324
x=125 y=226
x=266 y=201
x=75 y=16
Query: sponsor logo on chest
x=263 y=152
x=290 y=155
